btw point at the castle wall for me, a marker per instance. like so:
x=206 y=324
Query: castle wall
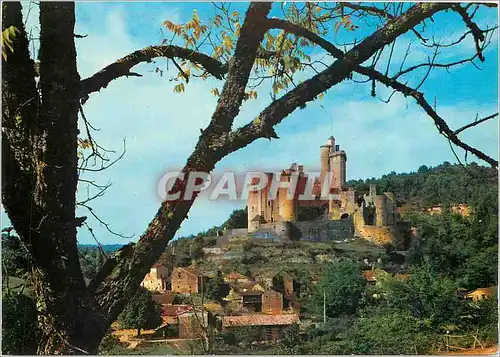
x=398 y=235
x=327 y=230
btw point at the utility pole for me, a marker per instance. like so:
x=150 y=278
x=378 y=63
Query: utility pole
x=202 y=300
x=324 y=306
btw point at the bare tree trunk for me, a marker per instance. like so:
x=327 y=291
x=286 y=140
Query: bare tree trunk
x=39 y=172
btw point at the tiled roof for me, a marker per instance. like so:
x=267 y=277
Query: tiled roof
x=260 y=320
x=175 y=310
x=371 y=275
x=191 y=271
x=235 y=276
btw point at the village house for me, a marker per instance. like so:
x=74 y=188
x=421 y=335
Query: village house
x=156 y=279
x=235 y=277
x=190 y=324
x=186 y=280
x=372 y=275
x=272 y=302
x=251 y=300
x=184 y=322
x=461 y=209
x=273 y=325
x=170 y=313
x=480 y=293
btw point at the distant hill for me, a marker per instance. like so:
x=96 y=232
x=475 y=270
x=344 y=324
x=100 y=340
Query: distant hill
x=442 y=184
x=107 y=248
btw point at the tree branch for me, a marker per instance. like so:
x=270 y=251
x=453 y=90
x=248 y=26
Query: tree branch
x=474 y=123
x=381 y=13
x=440 y=123
x=476 y=31
x=122 y=67
x=297 y=30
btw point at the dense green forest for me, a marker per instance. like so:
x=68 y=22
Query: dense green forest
x=450 y=252
x=443 y=184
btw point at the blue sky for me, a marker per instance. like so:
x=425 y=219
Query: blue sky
x=161 y=127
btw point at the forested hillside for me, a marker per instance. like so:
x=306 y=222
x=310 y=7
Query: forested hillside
x=442 y=184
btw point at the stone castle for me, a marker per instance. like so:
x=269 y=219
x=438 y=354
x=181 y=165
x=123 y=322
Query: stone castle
x=343 y=214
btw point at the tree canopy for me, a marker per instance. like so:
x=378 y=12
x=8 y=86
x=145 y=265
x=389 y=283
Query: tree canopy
x=141 y=312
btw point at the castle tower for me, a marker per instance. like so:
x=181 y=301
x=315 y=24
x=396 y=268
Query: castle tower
x=325 y=157
x=338 y=159
x=391 y=209
x=287 y=207
x=257 y=207
x=380 y=202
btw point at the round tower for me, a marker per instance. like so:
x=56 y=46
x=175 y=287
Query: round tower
x=380 y=202
x=324 y=157
x=287 y=207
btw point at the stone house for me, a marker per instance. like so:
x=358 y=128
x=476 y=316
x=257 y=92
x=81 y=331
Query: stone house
x=372 y=275
x=190 y=324
x=273 y=326
x=185 y=319
x=170 y=313
x=186 y=280
x=156 y=279
x=272 y=302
